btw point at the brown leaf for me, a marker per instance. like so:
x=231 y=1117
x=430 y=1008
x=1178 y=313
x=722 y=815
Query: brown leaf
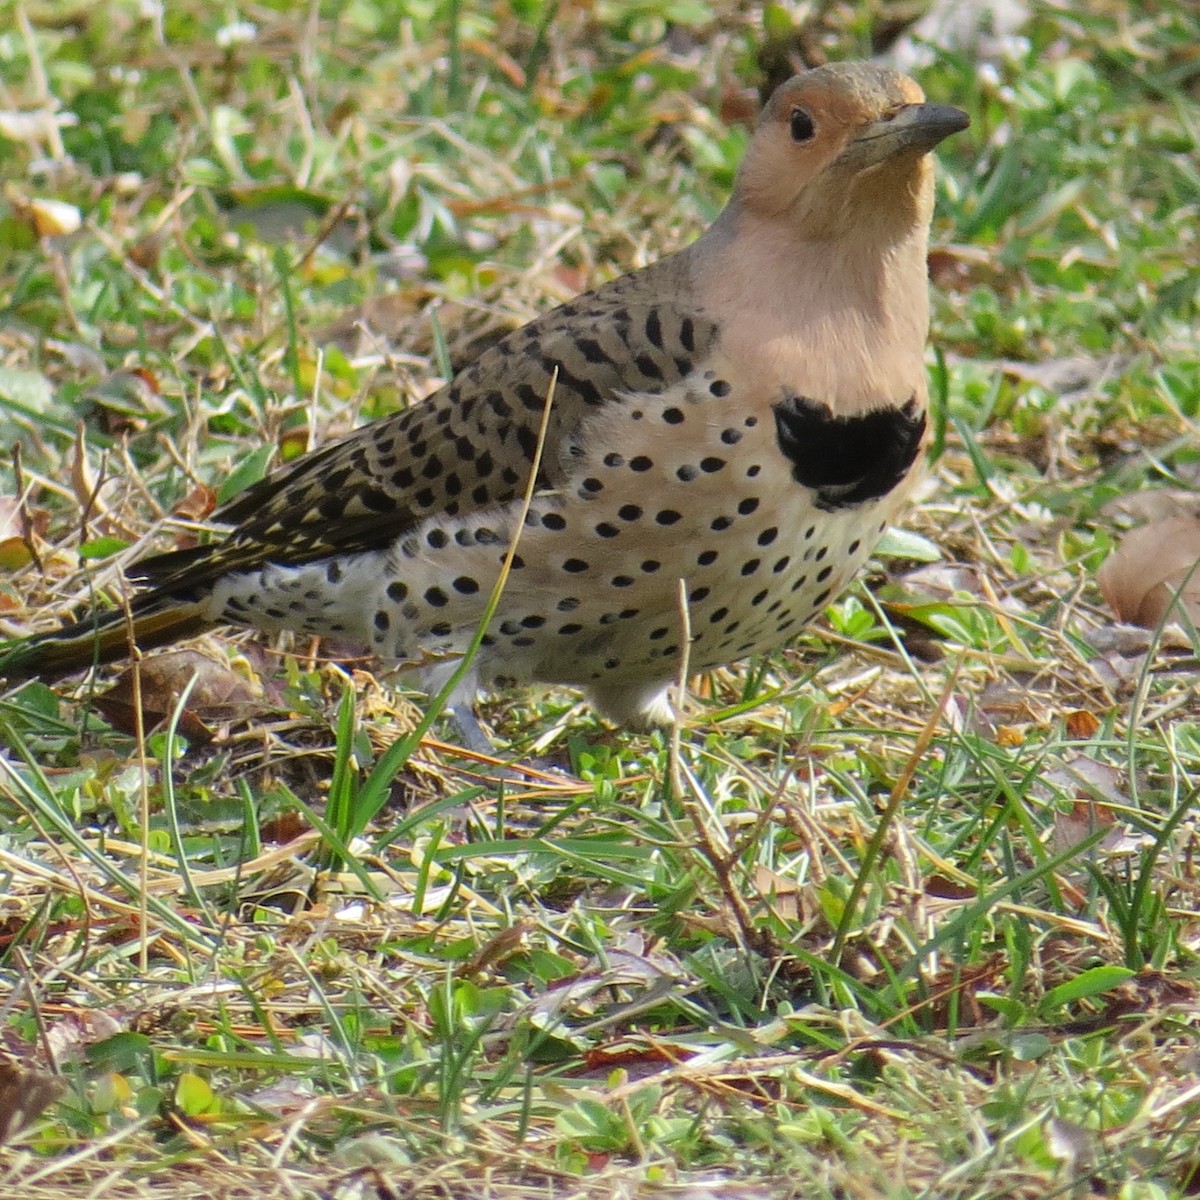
x=739 y=106
x=1152 y=566
x=25 y=1092
x=946 y=888
x=197 y=504
x=219 y=694
x=1082 y=724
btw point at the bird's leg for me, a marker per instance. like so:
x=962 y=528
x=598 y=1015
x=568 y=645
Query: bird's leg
x=471 y=734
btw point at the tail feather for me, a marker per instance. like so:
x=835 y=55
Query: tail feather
x=101 y=638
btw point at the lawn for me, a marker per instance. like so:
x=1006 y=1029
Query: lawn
x=909 y=909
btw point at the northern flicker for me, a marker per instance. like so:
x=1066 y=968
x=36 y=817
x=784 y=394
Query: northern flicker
x=747 y=416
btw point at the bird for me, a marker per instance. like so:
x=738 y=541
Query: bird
x=720 y=436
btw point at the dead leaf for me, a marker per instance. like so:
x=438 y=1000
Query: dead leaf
x=219 y=694
x=25 y=1093
x=69 y=1037
x=1153 y=566
x=197 y=504
x=1082 y=724
x=739 y=106
x=945 y=888
x=783 y=892
x=17 y=549
x=961 y=268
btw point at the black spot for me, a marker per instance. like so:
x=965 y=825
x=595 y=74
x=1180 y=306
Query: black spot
x=465 y=449
x=524 y=642
x=686 y=473
x=747 y=506
x=781 y=565
x=433 y=467
x=640 y=463
x=510 y=477
x=466 y=585
x=720 y=387
x=397 y=591
x=527 y=440
x=731 y=437
x=799 y=583
x=654 y=329
x=650 y=565
x=824 y=573
x=485 y=465
x=718 y=615
x=847 y=460
x=687 y=334
x=436 y=597
x=752 y=565
x=707 y=558
x=613 y=459
x=277 y=613
x=437 y=538
x=822 y=599
x=567 y=604
x=441 y=629
x=333 y=573
x=424 y=498
x=403 y=478
x=533 y=621
x=627 y=614
x=382 y=620
x=668 y=516
x=820 y=554
x=629 y=512
x=570 y=629
x=759 y=597
x=488 y=537
x=592 y=485
x=530 y=397
x=410 y=612
x=575 y=565
x=481 y=495
x=673 y=416
x=452 y=484
x=752 y=470
x=711 y=464
x=622 y=581
x=853 y=547
x=591 y=350
x=607 y=530
x=648 y=367
x=658 y=634
x=768 y=536
x=720 y=523
x=554 y=521
x=701 y=593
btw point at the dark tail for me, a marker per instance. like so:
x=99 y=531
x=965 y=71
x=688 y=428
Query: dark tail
x=101 y=638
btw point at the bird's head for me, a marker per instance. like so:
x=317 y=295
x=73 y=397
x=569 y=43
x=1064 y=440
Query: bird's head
x=841 y=145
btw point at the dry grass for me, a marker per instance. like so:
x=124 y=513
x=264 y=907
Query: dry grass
x=909 y=910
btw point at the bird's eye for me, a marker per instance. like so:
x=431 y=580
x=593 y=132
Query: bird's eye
x=802 y=125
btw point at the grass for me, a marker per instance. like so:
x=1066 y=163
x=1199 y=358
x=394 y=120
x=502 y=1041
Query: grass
x=908 y=910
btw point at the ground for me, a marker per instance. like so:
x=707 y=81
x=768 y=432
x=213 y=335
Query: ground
x=907 y=910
